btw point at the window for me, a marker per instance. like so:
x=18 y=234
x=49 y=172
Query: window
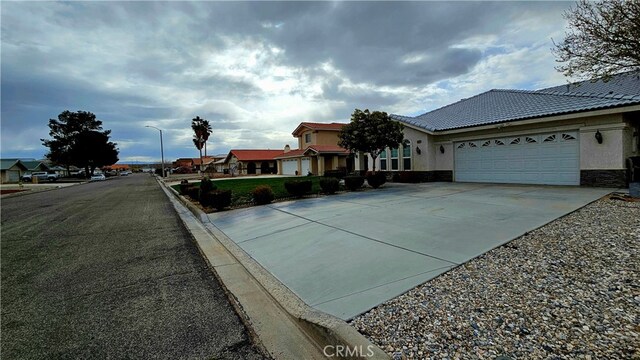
x=498 y=142
x=486 y=143
x=550 y=138
x=461 y=145
x=515 y=141
x=394 y=159
x=383 y=160
x=531 y=140
x=472 y=145
x=307 y=138
x=406 y=156
x=567 y=137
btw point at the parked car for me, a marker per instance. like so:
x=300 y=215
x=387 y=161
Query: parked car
x=98 y=177
x=41 y=176
x=125 y=173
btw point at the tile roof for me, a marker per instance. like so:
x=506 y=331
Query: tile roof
x=6 y=164
x=497 y=106
x=35 y=165
x=334 y=126
x=291 y=154
x=327 y=149
x=319 y=149
x=626 y=83
x=255 y=155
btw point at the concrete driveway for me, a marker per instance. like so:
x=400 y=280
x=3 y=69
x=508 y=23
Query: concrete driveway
x=346 y=254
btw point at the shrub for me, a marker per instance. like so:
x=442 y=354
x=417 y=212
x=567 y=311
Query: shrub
x=298 y=188
x=190 y=190
x=262 y=194
x=353 y=182
x=206 y=186
x=329 y=185
x=218 y=199
x=183 y=170
x=340 y=174
x=375 y=180
x=184 y=185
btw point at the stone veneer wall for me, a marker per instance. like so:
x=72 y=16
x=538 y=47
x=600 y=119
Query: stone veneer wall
x=603 y=178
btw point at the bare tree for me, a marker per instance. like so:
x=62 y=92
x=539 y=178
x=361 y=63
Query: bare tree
x=603 y=39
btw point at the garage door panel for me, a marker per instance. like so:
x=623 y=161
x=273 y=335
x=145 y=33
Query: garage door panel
x=525 y=159
x=289 y=167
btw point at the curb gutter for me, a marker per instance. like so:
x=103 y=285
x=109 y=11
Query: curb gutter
x=320 y=335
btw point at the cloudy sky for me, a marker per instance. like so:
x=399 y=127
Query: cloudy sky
x=256 y=70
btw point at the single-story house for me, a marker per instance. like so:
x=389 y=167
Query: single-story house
x=317 y=152
x=243 y=162
x=573 y=134
x=35 y=165
x=11 y=170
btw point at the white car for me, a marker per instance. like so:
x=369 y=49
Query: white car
x=98 y=177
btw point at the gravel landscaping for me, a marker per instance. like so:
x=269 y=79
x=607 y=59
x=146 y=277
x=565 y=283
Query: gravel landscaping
x=569 y=290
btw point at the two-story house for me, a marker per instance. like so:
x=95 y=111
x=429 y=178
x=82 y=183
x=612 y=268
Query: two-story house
x=317 y=151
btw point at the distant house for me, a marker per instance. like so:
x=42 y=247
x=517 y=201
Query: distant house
x=247 y=162
x=35 y=165
x=11 y=170
x=183 y=162
x=120 y=167
x=317 y=152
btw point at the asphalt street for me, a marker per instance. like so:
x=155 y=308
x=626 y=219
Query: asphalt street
x=107 y=270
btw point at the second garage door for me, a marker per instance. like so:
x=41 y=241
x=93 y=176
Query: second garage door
x=550 y=158
x=289 y=166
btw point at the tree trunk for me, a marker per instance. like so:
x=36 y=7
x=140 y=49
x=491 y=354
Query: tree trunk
x=201 y=164
x=374 y=157
x=205 y=149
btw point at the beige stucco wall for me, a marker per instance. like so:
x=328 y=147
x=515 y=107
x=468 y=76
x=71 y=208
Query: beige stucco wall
x=318 y=138
x=326 y=138
x=608 y=155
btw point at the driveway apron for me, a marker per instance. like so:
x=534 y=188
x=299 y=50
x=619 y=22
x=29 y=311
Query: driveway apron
x=346 y=254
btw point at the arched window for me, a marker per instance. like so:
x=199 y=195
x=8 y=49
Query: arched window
x=406 y=156
x=383 y=160
x=394 y=159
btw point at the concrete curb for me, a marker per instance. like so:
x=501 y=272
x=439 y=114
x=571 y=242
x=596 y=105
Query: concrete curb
x=332 y=335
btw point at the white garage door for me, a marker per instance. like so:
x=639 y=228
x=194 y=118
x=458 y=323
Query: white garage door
x=306 y=166
x=289 y=167
x=551 y=158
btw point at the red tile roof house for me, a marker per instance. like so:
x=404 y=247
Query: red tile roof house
x=317 y=152
x=250 y=162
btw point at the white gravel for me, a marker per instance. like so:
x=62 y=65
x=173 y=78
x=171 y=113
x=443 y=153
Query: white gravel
x=569 y=290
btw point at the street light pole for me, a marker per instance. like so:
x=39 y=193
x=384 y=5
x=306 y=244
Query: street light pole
x=161 y=148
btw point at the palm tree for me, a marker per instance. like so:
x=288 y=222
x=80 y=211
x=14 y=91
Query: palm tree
x=198 y=137
x=206 y=127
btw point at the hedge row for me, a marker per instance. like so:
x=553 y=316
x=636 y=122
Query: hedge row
x=208 y=194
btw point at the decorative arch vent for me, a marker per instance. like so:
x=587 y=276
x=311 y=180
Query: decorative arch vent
x=515 y=141
x=567 y=137
x=550 y=138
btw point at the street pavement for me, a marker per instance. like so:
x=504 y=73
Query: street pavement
x=107 y=270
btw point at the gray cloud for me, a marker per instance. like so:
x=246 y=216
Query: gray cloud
x=245 y=64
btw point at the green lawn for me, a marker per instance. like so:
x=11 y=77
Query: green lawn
x=241 y=187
